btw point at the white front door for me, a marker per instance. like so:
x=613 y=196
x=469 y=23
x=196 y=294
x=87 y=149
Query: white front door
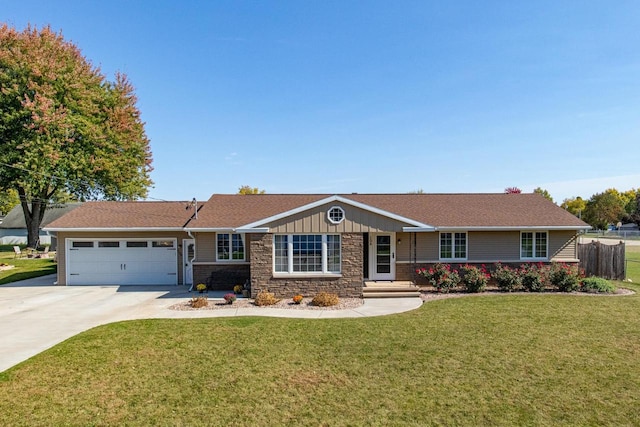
x=188 y=254
x=382 y=256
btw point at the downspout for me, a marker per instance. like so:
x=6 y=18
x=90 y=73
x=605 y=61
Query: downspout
x=192 y=259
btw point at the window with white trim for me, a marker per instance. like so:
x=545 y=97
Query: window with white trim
x=335 y=215
x=230 y=247
x=306 y=253
x=533 y=245
x=453 y=246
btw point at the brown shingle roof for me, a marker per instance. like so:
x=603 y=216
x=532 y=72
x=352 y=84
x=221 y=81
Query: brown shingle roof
x=125 y=215
x=439 y=210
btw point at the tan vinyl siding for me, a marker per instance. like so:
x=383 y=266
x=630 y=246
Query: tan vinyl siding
x=425 y=246
x=484 y=246
x=62 y=236
x=493 y=245
x=563 y=245
x=315 y=221
x=205 y=247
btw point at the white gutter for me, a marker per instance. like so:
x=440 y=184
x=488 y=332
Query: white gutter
x=515 y=228
x=107 y=229
x=418 y=229
x=252 y=230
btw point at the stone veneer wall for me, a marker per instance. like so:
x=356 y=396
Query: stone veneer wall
x=223 y=277
x=349 y=285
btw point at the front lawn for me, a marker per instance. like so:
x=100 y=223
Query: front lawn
x=478 y=360
x=25 y=268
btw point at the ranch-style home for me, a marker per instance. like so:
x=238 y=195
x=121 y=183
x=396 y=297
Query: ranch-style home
x=305 y=243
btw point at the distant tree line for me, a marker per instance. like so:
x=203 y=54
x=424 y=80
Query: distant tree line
x=603 y=209
x=609 y=207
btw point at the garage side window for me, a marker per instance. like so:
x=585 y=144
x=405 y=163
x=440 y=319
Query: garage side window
x=230 y=247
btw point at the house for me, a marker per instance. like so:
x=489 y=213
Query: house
x=305 y=243
x=13 y=228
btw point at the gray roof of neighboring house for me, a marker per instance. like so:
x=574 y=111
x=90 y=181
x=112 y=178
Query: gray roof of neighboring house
x=15 y=217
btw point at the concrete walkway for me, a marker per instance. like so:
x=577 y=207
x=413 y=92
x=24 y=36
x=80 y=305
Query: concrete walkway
x=36 y=315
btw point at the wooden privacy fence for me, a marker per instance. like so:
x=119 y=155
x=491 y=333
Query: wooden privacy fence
x=602 y=260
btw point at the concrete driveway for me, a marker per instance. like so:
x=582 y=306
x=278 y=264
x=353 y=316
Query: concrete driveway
x=36 y=315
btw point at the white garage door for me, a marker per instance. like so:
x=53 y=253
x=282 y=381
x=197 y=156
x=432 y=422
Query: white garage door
x=121 y=262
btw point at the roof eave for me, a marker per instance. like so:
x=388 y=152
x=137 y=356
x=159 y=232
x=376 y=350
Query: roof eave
x=515 y=228
x=227 y=230
x=106 y=229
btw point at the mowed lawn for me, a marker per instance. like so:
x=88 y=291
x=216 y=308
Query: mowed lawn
x=480 y=360
x=24 y=268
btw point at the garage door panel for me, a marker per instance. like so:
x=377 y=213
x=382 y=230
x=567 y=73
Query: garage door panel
x=130 y=263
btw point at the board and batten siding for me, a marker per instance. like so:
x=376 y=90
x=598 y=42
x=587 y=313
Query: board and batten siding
x=315 y=220
x=484 y=246
x=61 y=251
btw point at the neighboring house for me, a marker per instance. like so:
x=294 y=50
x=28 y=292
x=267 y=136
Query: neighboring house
x=629 y=227
x=13 y=229
x=304 y=243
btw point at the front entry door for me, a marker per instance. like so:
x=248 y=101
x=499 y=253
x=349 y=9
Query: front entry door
x=188 y=254
x=382 y=256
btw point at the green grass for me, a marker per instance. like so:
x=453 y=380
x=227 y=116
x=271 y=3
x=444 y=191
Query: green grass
x=25 y=268
x=481 y=360
x=633 y=263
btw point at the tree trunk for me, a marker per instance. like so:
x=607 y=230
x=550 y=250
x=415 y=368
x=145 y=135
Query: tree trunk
x=33 y=218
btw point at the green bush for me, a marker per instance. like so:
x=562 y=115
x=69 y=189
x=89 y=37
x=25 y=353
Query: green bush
x=533 y=277
x=474 y=279
x=564 y=277
x=265 y=298
x=325 y=299
x=596 y=284
x=441 y=276
x=507 y=278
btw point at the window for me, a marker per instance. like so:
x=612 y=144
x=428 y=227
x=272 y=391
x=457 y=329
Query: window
x=230 y=247
x=162 y=244
x=82 y=244
x=306 y=253
x=137 y=244
x=533 y=244
x=335 y=215
x=453 y=245
x=281 y=253
x=108 y=244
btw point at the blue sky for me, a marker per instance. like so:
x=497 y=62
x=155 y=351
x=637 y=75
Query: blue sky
x=371 y=97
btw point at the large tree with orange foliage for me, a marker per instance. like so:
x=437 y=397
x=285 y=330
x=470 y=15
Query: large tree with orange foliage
x=65 y=128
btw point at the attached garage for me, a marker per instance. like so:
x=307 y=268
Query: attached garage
x=121 y=261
